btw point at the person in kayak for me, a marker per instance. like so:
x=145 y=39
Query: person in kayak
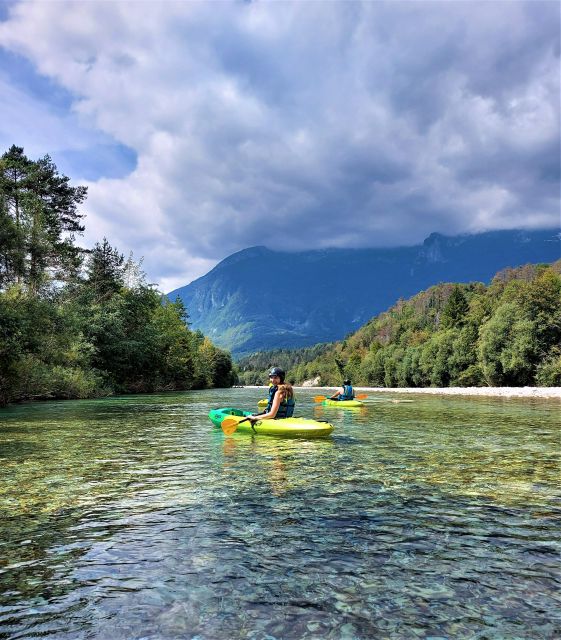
x=346 y=392
x=281 y=398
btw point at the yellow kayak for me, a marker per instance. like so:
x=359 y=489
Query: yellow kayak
x=342 y=403
x=287 y=427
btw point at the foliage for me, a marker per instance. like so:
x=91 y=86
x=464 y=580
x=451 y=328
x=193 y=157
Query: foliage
x=105 y=271
x=77 y=323
x=40 y=220
x=549 y=371
x=455 y=309
x=507 y=333
x=253 y=369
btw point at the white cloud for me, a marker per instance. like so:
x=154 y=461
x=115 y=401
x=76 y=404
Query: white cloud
x=300 y=125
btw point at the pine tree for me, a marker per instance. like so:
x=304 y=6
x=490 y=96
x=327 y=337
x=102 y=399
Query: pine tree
x=455 y=309
x=105 y=272
x=39 y=221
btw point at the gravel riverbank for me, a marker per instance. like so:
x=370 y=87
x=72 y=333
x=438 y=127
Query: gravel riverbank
x=505 y=392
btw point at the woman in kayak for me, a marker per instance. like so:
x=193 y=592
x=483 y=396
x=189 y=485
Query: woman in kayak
x=346 y=392
x=281 y=398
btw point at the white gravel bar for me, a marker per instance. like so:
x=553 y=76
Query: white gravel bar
x=503 y=392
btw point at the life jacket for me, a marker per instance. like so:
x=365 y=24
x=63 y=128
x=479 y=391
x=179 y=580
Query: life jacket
x=348 y=393
x=286 y=407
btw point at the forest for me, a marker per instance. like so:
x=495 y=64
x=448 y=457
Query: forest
x=83 y=323
x=507 y=333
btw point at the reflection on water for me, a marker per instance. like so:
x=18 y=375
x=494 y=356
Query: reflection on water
x=132 y=518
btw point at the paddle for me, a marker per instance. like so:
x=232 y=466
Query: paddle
x=229 y=425
x=360 y=396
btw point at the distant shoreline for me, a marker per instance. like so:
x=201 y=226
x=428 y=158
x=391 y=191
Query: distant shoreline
x=502 y=392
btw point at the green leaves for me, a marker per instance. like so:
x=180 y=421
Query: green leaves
x=70 y=335
x=39 y=220
x=455 y=310
x=508 y=333
x=105 y=272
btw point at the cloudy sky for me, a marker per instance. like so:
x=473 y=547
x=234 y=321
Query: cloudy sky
x=202 y=128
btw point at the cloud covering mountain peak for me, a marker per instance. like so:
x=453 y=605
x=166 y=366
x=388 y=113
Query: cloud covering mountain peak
x=304 y=125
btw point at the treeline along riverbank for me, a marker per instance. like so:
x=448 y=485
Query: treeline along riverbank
x=451 y=335
x=78 y=323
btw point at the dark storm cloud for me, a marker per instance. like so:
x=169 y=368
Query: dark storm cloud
x=300 y=125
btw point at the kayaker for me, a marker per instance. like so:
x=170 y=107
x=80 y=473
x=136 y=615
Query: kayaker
x=281 y=398
x=346 y=392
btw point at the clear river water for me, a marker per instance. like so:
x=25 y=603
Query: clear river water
x=427 y=517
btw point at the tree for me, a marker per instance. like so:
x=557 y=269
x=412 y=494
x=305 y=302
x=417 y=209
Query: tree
x=11 y=326
x=223 y=375
x=508 y=347
x=464 y=357
x=105 y=271
x=541 y=302
x=14 y=168
x=108 y=331
x=11 y=260
x=549 y=371
x=455 y=309
x=43 y=210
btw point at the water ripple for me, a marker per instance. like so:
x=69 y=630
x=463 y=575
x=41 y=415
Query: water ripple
x=132 y=518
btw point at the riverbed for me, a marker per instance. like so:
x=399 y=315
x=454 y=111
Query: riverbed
x=132 y=517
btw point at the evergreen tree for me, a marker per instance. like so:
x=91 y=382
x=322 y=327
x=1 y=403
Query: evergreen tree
x=455 y=309
x=40 y=219
x=14 y=169
x=107 y=332
x=11 y=260
x=105 y=272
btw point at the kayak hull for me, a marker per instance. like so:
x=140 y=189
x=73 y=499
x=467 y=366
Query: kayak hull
x=343 y=403
x=285 y=427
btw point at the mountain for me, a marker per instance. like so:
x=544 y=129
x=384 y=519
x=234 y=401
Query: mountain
x=259 y=299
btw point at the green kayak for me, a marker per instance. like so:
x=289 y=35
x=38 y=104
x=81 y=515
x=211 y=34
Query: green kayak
x=291 y=427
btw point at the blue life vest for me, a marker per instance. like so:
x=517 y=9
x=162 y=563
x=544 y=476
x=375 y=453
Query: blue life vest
x=286 y=407
x=348 y=393
x=272 y=390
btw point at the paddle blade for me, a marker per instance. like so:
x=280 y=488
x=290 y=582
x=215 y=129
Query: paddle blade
x=229 y=425
x=361 y=396
x=319 y=398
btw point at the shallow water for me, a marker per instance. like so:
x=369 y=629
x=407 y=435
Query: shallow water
x=435 y=517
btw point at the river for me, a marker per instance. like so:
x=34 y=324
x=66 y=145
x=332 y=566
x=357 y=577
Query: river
x=428 y=517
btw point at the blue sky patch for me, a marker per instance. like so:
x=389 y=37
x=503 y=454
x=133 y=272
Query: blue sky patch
x=5 y=9
x=100 y=161
x=102 y=157
x=21 y=74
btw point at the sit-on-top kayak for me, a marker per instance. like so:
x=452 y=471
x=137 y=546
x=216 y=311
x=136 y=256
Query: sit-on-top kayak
x=295 y=427
x=342 y=403
x=263 y=403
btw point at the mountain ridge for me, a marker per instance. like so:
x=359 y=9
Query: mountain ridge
x=259 y=298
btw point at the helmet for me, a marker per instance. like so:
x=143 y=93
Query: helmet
x=347 y=381
x=276 y=371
